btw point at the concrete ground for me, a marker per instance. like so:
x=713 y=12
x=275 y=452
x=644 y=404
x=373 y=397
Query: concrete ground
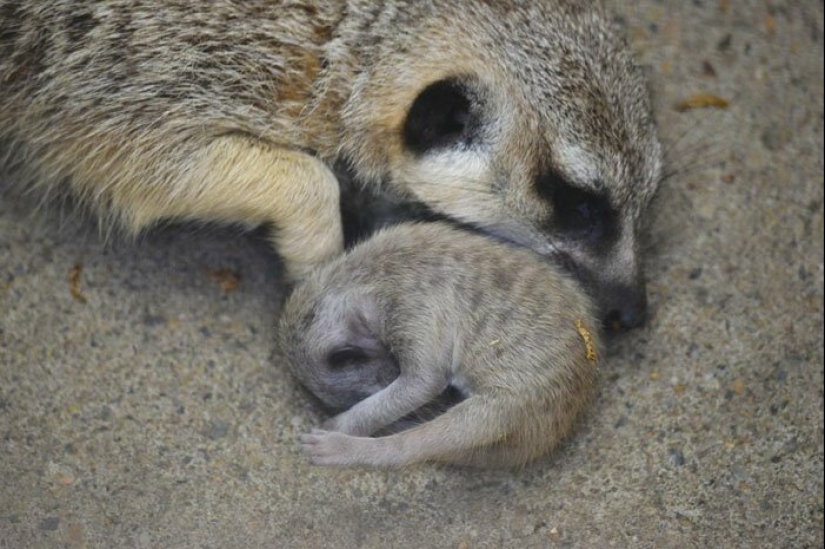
x=146 y=412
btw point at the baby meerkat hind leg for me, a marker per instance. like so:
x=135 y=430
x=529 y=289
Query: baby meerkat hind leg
x=501 y=455
x=468 y=427
x=237 y=179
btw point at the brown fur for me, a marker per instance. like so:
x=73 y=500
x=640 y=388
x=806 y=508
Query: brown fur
x=385 y=329
x=235 y=112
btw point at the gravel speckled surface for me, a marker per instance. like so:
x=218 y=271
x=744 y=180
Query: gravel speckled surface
x=145 y=410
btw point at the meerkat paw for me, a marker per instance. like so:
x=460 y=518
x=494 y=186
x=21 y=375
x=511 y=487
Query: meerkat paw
x=329 y=448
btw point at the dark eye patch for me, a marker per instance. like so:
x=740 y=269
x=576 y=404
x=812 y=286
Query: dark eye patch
x=578 y=213
x=346 y=357
x=441 y=116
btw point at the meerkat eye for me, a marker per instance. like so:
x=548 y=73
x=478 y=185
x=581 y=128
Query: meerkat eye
x=346 y=357
x=440 y=116
x=577 y=211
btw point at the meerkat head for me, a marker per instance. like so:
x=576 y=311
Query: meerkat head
x=530 y=121
x=331 y=344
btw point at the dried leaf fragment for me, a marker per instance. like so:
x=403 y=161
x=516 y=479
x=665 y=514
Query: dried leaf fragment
x=770 y=24
x=701 y=101
x=227 y=279
x=589 y=345
x=65 y=479
x=74 y=282
x=724 y=6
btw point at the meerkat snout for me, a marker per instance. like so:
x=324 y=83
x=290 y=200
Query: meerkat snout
x=625 y=307
x=551 y=147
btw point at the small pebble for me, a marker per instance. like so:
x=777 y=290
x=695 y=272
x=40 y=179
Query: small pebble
x=676 y=457
x=49 y=524
x=725 y=43
x=776 y=137
x=708 y=70
x=217 y=430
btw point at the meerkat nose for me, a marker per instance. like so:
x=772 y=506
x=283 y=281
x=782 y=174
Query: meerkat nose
x=626 y=310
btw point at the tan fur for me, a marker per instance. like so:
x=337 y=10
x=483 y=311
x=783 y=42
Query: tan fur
x=141 y=108
x=419 y=307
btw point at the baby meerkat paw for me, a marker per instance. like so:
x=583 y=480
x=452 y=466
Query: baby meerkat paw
x=328 y=448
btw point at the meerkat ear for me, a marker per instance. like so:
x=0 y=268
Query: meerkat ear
x=441 y=115
x=359 y=340
x=361 y=324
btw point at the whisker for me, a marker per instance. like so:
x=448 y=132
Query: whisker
x=692 y=151
x=676 y=142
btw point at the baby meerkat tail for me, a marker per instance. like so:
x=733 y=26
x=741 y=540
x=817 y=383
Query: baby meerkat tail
x=461 y=432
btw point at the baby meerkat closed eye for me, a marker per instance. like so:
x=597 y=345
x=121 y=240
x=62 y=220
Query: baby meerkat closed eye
x=385 y=329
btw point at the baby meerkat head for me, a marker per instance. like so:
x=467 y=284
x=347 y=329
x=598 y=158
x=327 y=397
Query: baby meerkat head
x=530 y=121
x=330 y=342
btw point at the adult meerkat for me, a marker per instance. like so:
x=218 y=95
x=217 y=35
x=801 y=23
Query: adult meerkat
x=388 y=327
x=527 y=119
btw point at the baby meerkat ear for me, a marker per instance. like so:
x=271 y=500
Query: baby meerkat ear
x=363 y=322
x=354 y=326
x=357 y=344
x=441 y=116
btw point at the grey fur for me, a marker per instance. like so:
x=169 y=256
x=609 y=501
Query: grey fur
x=419 y=307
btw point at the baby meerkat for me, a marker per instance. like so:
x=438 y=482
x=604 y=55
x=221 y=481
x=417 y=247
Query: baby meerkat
x=527 y=119
x=385 y=329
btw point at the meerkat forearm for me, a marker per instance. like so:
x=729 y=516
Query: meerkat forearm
x=232 y=179
x=452 y=437
x=403 y=396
